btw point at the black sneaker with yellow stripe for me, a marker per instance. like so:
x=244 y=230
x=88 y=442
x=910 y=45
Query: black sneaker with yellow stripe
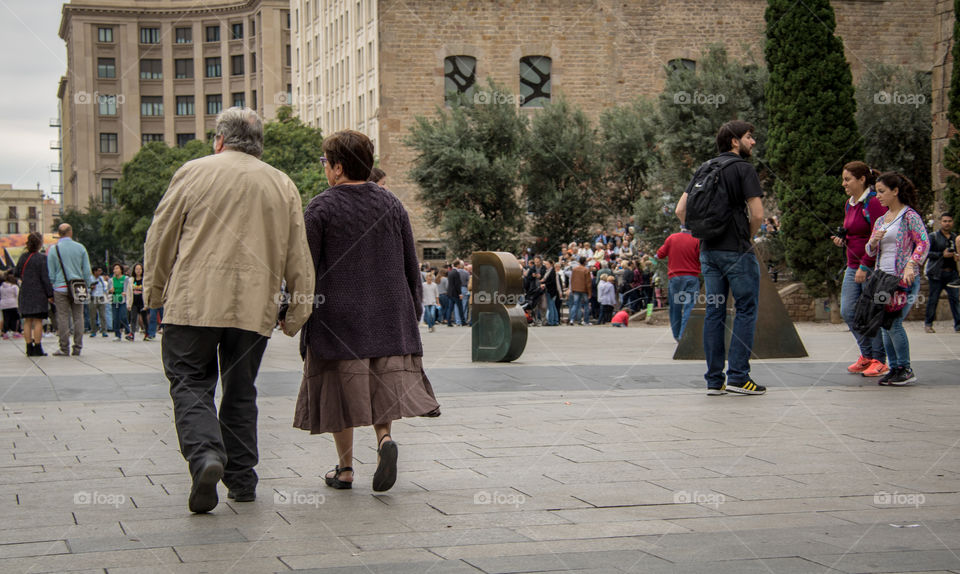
x=747 y=387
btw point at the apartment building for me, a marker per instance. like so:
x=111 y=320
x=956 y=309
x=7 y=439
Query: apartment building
x=161 y=70
x=24 y=211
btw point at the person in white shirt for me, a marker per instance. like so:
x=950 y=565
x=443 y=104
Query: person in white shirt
x=431 y=301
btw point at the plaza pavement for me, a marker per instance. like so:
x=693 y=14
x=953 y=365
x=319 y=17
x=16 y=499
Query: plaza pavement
x=594 y=452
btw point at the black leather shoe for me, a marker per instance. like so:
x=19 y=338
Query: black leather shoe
x=203 y=494
x=242 y=495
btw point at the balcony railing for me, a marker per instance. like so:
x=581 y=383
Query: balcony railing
x=56 y=167
x=54 y=122
x=56 y=144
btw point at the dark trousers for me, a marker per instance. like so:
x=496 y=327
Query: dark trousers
x=936 y=286
x=190 y=356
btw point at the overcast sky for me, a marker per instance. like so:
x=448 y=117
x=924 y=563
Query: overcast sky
x=32 y=59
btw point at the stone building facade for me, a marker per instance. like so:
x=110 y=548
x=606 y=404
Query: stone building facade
x=24 y=211
x=160 y=70
x=597 y=54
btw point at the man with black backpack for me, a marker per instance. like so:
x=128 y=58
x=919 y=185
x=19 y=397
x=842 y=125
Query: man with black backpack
x=715 y=208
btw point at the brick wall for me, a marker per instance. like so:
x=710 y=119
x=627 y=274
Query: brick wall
x=603 y=53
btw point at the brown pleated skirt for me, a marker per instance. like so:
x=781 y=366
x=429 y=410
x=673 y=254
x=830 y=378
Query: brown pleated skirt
x=341 y=394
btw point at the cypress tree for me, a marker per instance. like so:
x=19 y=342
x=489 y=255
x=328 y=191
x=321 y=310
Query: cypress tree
x=951 y=153
x=813 y=133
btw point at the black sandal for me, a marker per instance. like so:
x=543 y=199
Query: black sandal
x=386 y=474
x=335 y=481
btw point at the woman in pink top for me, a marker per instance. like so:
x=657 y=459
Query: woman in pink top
x=900 y=244
x=861 y=211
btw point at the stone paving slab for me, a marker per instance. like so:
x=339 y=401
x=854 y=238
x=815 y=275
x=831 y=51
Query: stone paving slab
x=567 y=461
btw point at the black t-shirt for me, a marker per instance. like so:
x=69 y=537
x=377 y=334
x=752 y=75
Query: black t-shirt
x=741 y=182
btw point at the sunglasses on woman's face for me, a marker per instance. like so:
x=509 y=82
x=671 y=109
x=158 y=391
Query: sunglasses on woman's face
x=323 y=160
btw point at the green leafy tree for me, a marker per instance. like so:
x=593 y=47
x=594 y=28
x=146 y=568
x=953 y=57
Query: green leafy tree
x=951 y=153
x=88 y=229
x=691 y=108
x=466 y=169
x=142 y=184
x=813 y=133
x=295 y=149
x=562 y=176
x=893 y=113
x=628 y=142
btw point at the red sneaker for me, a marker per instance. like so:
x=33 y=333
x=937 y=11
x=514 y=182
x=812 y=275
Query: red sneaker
x=860 y=366
x=876 y=369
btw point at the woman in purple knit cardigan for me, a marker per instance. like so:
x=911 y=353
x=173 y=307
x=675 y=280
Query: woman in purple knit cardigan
x=362 y=353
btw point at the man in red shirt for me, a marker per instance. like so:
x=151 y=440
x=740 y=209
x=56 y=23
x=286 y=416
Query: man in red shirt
x=683 y=268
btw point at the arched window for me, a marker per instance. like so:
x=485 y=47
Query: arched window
x=682 y=64
x=535 y=81
x=459 y=77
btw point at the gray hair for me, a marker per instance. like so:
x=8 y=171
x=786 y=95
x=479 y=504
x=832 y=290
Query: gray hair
x=241 y=130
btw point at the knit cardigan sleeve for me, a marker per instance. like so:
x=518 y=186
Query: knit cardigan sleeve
x=411 y=263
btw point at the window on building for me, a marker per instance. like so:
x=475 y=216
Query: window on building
x=253 y=99
x=289 y=56
x=107 y=105
x=236 y=31
x=681 y=64
x=105 y=35
x=12 y=227
x=151 y=69
x=434 y=253
x=289 y=93
x=213 y=33
x=184 y=35
x=214 y=104
x=31 y=212
x=213 y=67
x=183 y=139
x=459 y=77
x=147 y=138
x=108 y=143
x=184 y=105
x=32 y=226
x=306 y=12
x=183 y=68
x=106 y=67
x=106 y=190
x=239 y=99
x=253 y=62
x=253 y=26
x=149 y=35
x=370 y=55
x=288 y=20
x=151 y=105
x=535 y=81
x=236 y=65
x=12 y=212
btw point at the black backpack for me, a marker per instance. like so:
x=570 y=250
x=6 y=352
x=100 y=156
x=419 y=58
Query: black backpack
x=708 y=209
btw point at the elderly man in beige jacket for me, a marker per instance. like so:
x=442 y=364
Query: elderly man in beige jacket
x=227 y=233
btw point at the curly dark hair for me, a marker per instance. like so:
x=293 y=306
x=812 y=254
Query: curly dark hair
x=906 y=191
x=34 y=242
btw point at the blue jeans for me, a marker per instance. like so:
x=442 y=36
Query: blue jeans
x=870 y=347
x=729 y=273
x=683 y=296
x=458 y=315
x=553 y=318
x=429 y=314
x=895 y=338
x=119 y=318
x=153 y=321
x=578 y=308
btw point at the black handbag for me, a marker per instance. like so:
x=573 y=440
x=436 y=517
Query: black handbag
x=76 y=288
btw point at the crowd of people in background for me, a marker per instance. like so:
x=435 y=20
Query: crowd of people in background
x=35 y=303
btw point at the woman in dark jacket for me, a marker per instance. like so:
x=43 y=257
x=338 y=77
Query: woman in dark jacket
x=35 y=293
x=362 y=352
